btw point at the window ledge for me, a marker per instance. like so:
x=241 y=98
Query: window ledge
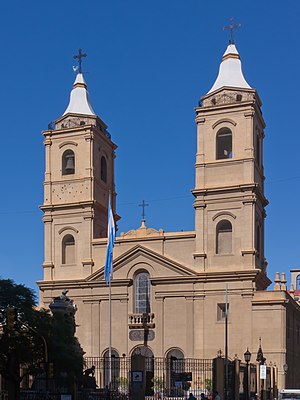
x=68 y=265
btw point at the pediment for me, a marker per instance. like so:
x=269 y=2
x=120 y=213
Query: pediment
x=140 y=257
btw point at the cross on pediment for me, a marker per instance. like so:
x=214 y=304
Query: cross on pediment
x=143 y=205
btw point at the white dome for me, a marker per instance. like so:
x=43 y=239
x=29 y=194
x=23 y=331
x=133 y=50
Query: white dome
x=230 y=71
x=79 y=98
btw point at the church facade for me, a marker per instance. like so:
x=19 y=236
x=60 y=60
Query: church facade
x=174 y=285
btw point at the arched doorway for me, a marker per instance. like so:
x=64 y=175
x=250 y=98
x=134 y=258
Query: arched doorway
x=175 y=367
x=146 y=352
x=111 y=369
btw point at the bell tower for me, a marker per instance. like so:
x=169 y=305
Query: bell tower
x=229 y=189
x=79 y=175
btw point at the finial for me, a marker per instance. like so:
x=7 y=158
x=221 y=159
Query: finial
x=292 y=288
x=143 y=205
x=277 y=281
x=283 y=281
x=231 y=27
x=80 y=56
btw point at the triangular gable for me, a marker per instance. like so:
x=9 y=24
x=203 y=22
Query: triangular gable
x=139 y=251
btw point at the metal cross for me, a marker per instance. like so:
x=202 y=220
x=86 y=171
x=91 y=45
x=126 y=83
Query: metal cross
x=80 y=56
x=143 y=205
x=231 y=27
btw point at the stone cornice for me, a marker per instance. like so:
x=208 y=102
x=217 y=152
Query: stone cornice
x=89 y=129
x=262 y=280
x=197 y=278
x=233 y=89
x=80 y=284
x=211 y=276
x=225 y=161
x=56 y=207
x=252 y=187
x=165 y=236
x=73 y=130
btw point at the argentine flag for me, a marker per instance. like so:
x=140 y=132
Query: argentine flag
x=111 y=233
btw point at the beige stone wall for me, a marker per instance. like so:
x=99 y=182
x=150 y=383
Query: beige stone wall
x=188 y=277
x=230 y=188
x=185 y=308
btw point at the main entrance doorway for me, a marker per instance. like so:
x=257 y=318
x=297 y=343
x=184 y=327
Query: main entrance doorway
x=149 y=366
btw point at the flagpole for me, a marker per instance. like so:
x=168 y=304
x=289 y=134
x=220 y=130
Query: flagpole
x=226 y=344
x=108 y=273
x=110 y=330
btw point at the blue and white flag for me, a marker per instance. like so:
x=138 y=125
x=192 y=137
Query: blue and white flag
x=111 y=233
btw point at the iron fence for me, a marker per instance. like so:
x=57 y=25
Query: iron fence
x=165 y=378
x=3 y=395
x=171 y=377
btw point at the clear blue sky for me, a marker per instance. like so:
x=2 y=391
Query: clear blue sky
x=148 y=64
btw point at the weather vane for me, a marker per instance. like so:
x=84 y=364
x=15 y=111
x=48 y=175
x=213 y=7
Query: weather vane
x=231 y=27
x=79 y=56
x=143 y=205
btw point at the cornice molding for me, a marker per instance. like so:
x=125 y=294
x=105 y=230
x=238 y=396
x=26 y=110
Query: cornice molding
x=67 y=143
x=224 y=121
x=221 y=213
x=67 y=228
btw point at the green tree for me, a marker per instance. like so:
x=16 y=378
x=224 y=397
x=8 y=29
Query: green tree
x=32 y=337
x=208 y=384
x=158 y=384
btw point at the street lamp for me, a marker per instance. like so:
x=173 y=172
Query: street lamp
x=247 y=356
x=285 y=370
x=261 y=360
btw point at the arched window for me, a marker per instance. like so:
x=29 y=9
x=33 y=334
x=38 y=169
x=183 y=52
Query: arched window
x=103 y=166
x=175 y=354
x=142 y=293
x=68 y=162
x=257 y=149
x=224 y=237
x=68 y=250
x=224 y=144
x=258 y=239
x=298 y=282
x=143 y=350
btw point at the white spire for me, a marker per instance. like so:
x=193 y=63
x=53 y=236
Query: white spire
x=230 y=71
x=79 y=98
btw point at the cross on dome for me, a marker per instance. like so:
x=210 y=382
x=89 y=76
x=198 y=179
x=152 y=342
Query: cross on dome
x=231 y=27
x=80 y=56
x=79 y=98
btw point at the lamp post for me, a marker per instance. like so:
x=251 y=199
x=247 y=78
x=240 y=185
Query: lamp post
x=261 y=360
x=247 y=356
x=285 y=370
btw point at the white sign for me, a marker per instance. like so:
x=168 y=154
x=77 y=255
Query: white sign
x=263 y=371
